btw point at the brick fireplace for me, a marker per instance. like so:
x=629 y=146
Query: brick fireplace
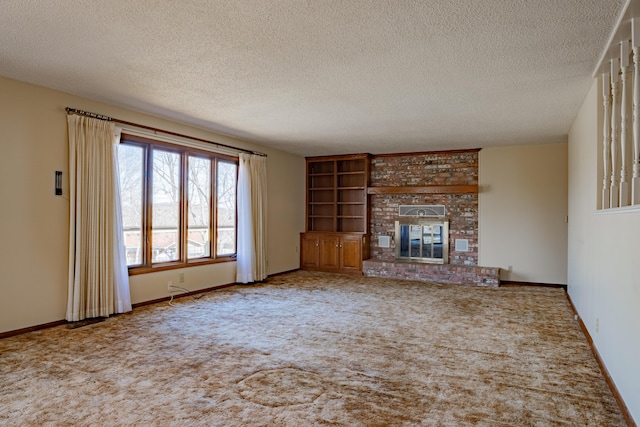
x=436 y=178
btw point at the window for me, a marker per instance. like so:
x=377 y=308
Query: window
x=178 y=205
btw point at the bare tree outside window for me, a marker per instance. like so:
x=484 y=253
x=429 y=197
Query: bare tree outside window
x=226 y=230
x=165 y=184
x=199 y=207
x=130 y=165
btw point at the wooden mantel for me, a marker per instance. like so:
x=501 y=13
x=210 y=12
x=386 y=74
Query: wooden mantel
x=425 y=189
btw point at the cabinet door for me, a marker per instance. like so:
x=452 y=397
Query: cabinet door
x=329 y=252
x=309 y=254
x=351 y=254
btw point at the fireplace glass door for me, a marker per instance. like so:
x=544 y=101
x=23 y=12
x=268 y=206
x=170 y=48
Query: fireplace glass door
x=422 y=240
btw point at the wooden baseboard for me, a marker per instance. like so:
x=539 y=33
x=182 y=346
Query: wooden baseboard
x=139 y=304
x=182 y=295
x=32 y=329
x=546 y=285
x=616 y=394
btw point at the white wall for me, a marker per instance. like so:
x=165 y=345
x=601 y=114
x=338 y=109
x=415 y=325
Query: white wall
x=522 y=212
x=34 y=223
x=603 y=278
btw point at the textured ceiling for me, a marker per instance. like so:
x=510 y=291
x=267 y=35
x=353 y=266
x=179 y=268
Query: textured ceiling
x=323 y=76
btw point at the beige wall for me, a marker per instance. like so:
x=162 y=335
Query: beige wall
x=603 y=278
x=34 y=223
x=522 y=212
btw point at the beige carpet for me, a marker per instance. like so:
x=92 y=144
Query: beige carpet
x=316 y=349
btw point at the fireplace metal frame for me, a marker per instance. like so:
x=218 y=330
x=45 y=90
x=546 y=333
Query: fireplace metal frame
x=422 y=222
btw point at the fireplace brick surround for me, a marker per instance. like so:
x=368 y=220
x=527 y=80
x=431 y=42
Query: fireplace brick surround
x=427 y=169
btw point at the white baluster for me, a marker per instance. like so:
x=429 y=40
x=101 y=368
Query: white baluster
x=624 y=109
x=606 y=139
x=635 y=182
x=615 y=83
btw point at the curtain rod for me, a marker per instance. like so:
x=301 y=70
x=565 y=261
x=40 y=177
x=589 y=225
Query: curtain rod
x=168 y=132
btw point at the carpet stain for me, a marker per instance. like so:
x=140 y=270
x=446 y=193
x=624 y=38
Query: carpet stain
x=281 y=387
x=85 y=322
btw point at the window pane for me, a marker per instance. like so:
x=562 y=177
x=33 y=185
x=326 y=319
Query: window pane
x=199 y=211
x=130 y=165
x=404 y=240
x=165 y=206
x=226 y=193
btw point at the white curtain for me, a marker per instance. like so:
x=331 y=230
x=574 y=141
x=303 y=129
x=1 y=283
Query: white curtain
x=252 y=219
x=98 y=278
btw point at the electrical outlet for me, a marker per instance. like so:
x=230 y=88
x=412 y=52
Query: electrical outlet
x=597 y=325
x=169 y=285
x=181 y=277
x=510 y=268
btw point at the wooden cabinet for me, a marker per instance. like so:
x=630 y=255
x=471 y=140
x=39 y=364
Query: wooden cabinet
x=329 y=253
x=337 y=252
x=351 y=253
x=309 y=251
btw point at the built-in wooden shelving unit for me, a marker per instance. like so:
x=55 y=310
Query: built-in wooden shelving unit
x=337 y=193
x=337 y=214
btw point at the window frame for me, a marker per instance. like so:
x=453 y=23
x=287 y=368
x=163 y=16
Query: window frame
x=148 y=145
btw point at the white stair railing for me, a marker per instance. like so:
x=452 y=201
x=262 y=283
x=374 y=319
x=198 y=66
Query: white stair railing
x=614 y=199
x=606 y=139
x=621 y=139
x=624 y=125
x=635 y=182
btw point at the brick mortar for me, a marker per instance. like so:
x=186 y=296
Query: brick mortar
x=442 y=273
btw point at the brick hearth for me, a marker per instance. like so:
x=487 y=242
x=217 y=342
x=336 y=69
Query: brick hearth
x=441 y=273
